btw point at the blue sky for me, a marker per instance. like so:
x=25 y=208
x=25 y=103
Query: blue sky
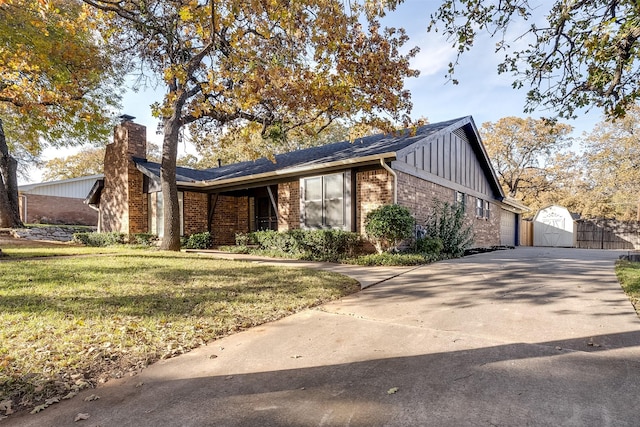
x=481 y=93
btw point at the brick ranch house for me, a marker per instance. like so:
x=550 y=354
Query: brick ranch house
x=332 y=186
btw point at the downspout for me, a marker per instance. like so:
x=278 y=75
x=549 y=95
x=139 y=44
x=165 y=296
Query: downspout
x=395 y=180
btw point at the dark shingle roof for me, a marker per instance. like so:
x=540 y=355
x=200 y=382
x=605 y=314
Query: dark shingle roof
x=309 y=157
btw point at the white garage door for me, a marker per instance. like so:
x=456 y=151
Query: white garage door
x=508 y=228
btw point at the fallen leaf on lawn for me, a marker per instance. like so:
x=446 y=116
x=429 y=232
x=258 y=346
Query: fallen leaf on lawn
x=39 y=408
x=51 y=401
x=393 y=390
x=213 y=356
x=91 y=398
x=70 y=395
x=81 y=416
x=5 y=405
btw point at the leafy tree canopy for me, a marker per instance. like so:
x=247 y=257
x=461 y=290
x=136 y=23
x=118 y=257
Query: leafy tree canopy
x=527 y=155
x=246 y=143
x=90 y=161
x=582 y=54
x=57 y=81
x=274 y=65
x=612 y=167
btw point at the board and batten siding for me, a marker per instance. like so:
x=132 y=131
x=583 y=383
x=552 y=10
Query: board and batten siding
x=448 y=160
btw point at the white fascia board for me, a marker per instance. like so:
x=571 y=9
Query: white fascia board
x=283 y=173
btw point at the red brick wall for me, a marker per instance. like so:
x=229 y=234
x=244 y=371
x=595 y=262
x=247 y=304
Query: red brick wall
x=374 y=188
x=418 y=195
x=487 y=231
x=289 y=205
x=195 y=212
x=230 y=216
x=56 y=210
x=123 y=205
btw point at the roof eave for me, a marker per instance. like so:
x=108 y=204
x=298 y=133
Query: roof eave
x=285 y=173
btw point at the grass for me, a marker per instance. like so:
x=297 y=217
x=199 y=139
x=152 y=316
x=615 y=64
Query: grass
x=23 y=248
x=70 y=323
x=629 y=276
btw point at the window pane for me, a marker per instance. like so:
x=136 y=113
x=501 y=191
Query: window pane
x=159 y=214
x=313 y=189
x=313 y=214
x=334 y=216
x=333 y=186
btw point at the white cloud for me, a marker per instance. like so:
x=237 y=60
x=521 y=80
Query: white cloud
x=434 y=56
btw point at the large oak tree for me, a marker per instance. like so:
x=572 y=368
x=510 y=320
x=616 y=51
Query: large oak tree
x=57 y=82
x=274 y=65
x=612 y=167
x=528 y=156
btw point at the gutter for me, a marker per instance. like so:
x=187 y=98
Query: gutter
x=395 y=179
x=248 y=179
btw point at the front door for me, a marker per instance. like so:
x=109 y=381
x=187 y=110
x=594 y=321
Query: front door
x=266 y=218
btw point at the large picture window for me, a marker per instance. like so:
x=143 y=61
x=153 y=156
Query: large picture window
x=325 y=201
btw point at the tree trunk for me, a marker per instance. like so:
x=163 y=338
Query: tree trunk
x=168 y=184
x=9 y=205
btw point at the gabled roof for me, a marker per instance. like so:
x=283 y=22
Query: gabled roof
x=363 y=151
x=381 y=146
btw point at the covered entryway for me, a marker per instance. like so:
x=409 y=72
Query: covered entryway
x=265 y=201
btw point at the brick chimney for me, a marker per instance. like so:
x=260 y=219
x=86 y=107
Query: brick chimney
x=123 y=204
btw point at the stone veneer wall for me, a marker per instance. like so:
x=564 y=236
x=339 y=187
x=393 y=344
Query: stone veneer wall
x=288 y=205
x=230 y=216
x=418 y=195
x=123 y=205
x=51 y=233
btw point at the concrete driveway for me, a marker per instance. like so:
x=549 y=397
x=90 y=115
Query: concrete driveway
x=531 y=336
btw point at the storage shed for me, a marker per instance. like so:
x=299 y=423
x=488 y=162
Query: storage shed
x=554 y=226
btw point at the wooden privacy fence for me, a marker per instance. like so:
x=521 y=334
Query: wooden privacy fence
x=526 y=233
x=607 y=234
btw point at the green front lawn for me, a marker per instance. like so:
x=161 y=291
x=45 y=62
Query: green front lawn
x=629 y=276
x=69 y=323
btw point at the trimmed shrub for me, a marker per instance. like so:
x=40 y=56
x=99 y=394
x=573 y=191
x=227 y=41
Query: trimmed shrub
x=429 y=246
x=273 y=241
x=99 y=239
x=235 y=249
x=389 y=225
x=143 y=239
x=315 y=245
x=198 y=241
x=446 y=223
x=327 y=245
x=245 y=239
